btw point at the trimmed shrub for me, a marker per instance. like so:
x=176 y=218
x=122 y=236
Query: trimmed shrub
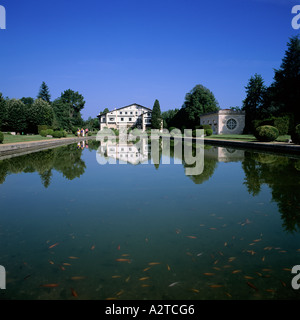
x=205 y=126
x=208 y=132
x=43 y=133
x=58 y=134
x=1 y=137
x=49 y=132
x=281 y=123
x=296 y=135
x=266 y=133
x=42 y=128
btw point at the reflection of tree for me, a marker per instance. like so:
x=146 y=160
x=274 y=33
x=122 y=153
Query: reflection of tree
x=281 y=174
x=66 y=160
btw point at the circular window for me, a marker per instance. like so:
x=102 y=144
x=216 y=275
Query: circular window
x=231 y=124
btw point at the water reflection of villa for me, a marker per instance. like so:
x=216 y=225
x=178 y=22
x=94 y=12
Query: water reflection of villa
x=224 y=154
x=133 y=153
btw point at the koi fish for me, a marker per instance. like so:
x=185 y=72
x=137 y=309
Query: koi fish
x=49 y=285
x=153 y=263
x=66 y=264
x=252 y=286
x=191 y=237
x=73 y=258
x=54 y=245
x=200 y=254
x=116 y=277
x=195 y=290
x=123 y=260
x=144 y=278
x=208 y=274
x=93 y=247
x=215 y=285
x=236 y=271
x=146 y=269
x=257 y=240
x=248 y=277
x=125 y=255
x=74 y=293
x=173 y=284
x=168 y=267
x=78 y=278
x=119 y=247
x=51 y=262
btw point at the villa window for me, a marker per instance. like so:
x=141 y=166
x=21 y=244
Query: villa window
x=122 y=119
x=130 y=119
x=231 y=124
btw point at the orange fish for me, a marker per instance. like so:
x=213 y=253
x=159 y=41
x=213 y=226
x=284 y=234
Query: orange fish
x=54 y=245
x=153 y=263
x=143 y=279
x=50 y=285
x=209 y=274
x=74 y=293
x=116 y=277
x=146 y=269
x=123 y=260
x=252 y=286
x=119 y=247
x=168 y=267
x=191 y=237
x=62 y=268
x=215 y=286
x=195 y=290
x=51 y=262
x=236 y=271
x=78 y=278
x=66 y=264
x=73 y=258
x=248 y=277
x=93 y=247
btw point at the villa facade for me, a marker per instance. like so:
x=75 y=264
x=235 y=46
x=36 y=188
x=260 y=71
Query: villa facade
x=225 y=121
x=132 y=116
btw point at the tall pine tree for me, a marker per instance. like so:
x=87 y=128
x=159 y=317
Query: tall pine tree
x=285 y=90
x=254 y=100
x=156 y=116
x=44 y=93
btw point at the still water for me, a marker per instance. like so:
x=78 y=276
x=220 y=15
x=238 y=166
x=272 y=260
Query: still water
x=71 y=228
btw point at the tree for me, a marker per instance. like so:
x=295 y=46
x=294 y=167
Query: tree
x=27 y=101
x=156 y=116
x=199 y=101
x=44 y=93
x=285 y=90
x=254 y=101
x=16 y=115
x=39 y=113
x=167 y=117
x=3 y=111
x=67 y=109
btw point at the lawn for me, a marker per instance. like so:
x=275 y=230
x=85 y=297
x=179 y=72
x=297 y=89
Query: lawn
x=14 y=139
x=244 y=137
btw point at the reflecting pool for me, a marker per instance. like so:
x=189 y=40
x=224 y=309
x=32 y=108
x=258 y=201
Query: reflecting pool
x=74 y=226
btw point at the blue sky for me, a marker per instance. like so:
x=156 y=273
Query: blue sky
x=119 y=52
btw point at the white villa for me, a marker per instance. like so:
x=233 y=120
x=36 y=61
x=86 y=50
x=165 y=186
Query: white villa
x=225 y=121
x=132 y=116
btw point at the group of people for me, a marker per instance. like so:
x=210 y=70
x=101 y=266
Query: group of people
x=82 y=132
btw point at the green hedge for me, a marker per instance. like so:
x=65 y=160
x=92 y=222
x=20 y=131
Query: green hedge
x=281 y=123
x=296 y=135
x=42 y=128
x=266 y=133
x=208 y=132
x=1 y=137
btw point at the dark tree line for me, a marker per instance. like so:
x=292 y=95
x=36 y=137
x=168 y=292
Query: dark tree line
x=282 y=97
x=26 y=114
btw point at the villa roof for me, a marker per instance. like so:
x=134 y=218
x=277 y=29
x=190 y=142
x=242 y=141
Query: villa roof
x=136 y=104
